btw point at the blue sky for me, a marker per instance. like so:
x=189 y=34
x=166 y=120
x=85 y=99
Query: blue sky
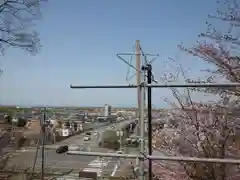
x=80 y=40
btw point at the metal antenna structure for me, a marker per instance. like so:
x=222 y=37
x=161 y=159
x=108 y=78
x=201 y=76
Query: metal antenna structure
x=144 y=75
x=144 y=84
x=140 y=61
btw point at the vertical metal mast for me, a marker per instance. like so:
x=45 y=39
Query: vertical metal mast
x=138 y=78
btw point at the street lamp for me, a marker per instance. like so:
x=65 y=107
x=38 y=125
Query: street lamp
x=120 y=133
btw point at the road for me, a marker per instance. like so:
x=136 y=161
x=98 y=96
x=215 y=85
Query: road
x=24 y=158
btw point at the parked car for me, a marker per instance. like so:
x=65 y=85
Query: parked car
x=86 y=138
x=62 y=149
x=88 y=133
x=96 y=133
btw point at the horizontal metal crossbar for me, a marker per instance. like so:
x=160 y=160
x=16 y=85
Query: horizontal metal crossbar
x=83 y=153
x=33 y=173
x=204 y=85
x=131 y=54
x=167 y=158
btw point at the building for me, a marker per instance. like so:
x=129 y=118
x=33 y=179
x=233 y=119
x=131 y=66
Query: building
x=107 y=110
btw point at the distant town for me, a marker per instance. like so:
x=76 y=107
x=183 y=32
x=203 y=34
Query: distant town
x=80 y=128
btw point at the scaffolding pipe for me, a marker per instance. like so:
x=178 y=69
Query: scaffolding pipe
x=209 y=85
x=162 y=158
x=149 y=93
x=34 y=174
x=83 y=153
x=142 y=132
x=195 y=159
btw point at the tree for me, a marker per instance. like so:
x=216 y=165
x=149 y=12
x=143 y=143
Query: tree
x=16 y=20
x=16 y=27
x=212 y=130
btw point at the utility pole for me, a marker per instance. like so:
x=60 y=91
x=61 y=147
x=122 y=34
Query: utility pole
x=43 y=125
x=138 y=78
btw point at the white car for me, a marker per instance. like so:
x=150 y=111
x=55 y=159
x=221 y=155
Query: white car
x=119 y=152
x=86 y=138
x=96 y=133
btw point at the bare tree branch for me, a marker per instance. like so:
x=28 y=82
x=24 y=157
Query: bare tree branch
x=16 y=18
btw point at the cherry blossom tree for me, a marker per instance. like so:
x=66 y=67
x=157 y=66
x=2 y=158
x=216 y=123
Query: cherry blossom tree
x=211 y=130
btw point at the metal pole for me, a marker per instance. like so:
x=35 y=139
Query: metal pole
x=84 y=153
x=195 y=159
x=43 y=142
x=149 y=95
x=163 y=158
x=204 y=85
x=25 y=171
x=138 y=76
x=142 y=133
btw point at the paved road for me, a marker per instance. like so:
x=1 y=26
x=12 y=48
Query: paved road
x=4 y=142
x=52 y=160
x=24 y=158
x=103 y=166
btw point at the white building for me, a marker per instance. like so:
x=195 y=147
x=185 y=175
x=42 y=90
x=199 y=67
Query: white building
x=107 y=110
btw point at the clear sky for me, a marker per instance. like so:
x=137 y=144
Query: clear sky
x=80 y=40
